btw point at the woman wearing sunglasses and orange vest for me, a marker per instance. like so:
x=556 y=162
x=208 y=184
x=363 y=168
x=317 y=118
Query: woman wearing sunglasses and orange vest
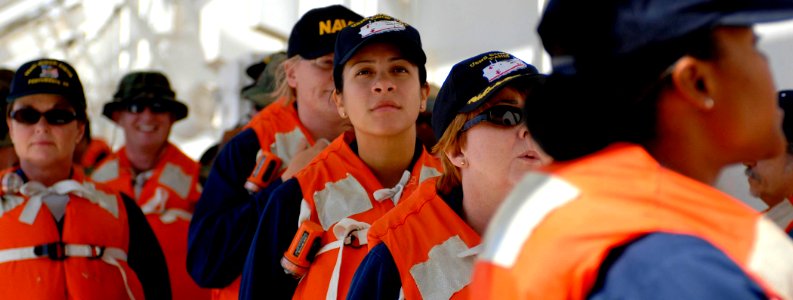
x=381 y=87
x=65 y=237
x=651 y=99
x=485 y=149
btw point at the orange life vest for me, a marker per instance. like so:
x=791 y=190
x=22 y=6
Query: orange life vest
x=168 y=199
x=94 y=153
x=86 y=261
x=281 y=133
x=551 y=235
x=433 y=248
x=344 y=197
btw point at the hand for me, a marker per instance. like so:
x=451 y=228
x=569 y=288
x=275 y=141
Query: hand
x=302 y=158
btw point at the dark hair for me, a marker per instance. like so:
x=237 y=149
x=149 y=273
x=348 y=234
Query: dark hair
x=609 y=100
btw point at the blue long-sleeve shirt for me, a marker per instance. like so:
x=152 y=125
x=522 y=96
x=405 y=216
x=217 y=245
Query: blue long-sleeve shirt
x=278 y=225
x=672 y=266
x=226 y=215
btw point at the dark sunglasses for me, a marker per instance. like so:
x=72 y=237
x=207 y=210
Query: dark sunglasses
x=155 y=107
x=501 y=115
x=31 y=116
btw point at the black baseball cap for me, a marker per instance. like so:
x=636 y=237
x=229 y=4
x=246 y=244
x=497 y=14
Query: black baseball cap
x=49 y=76
x=145 y=86
x=315 y=33
x=378 y=28
x=786 y=103
x=471 y=82
x=598 y=33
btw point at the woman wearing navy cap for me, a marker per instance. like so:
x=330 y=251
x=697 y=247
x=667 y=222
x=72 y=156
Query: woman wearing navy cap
x=425 y=247
x=381 y=87
x=63 y=236
x=651 y=99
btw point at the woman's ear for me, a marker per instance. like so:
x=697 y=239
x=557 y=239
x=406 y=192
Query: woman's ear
x=692 y=80
x=425 y=92
x=456 y=157
x=290 y=67
x=337 y=99
x=81 y=129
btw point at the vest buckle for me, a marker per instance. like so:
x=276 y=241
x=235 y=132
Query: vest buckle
x=55 y=251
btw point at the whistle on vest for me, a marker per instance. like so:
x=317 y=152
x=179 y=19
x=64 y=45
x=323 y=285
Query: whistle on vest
x=303 y=249
x=266 y=170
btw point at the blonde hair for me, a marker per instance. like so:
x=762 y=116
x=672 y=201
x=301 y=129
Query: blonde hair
x=282 y=88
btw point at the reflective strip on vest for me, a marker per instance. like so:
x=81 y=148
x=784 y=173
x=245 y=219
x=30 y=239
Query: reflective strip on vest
x=110 y=255
x=427 y=173
x=36 y=191
x=781 y=214
x=535 y=196
x=108 y=171
x=447 y=270
x=9 y=202
x=339 y=200
x=771 y=248
x=176 y=179
x=287 y=144
x=171 y=215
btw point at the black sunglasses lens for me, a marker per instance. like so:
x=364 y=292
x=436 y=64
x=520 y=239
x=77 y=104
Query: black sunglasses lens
x=135 y=107
x=158 y=107
x=139 y=107
x=53 y=117
x=505 y=115
x=59 y=116
x=26 y=116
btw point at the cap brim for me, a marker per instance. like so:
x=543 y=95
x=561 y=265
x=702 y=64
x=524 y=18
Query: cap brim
x=177 y=108
x=493 y=89
x=408 y=47
x=259 y=95
x=766 y=15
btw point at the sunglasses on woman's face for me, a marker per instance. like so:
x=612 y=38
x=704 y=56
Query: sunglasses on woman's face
x=501 y=115
x=55 y=116
x=155 y=107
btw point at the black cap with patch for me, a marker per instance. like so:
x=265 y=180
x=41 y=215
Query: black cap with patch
x=471 y=82
x=49 y=76
x=378 y=28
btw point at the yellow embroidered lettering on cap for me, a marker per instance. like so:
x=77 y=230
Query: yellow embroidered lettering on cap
x=324 y=27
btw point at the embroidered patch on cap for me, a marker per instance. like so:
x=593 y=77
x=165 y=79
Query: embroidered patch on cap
x=381 y=27
x=499 y=69
x=48 y=71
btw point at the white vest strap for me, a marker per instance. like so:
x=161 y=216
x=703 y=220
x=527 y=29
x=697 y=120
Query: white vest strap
x=344 y=231
x=61 y=251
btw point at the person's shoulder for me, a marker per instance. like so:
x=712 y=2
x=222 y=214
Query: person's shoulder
x=672 y=266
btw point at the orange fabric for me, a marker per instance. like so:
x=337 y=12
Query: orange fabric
x=278 y=117
x=561 y=257
x=85 y=223
x=94 y=153
x=172 y=234
x=404 y=231
x=331 y=165
x=230 y=292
